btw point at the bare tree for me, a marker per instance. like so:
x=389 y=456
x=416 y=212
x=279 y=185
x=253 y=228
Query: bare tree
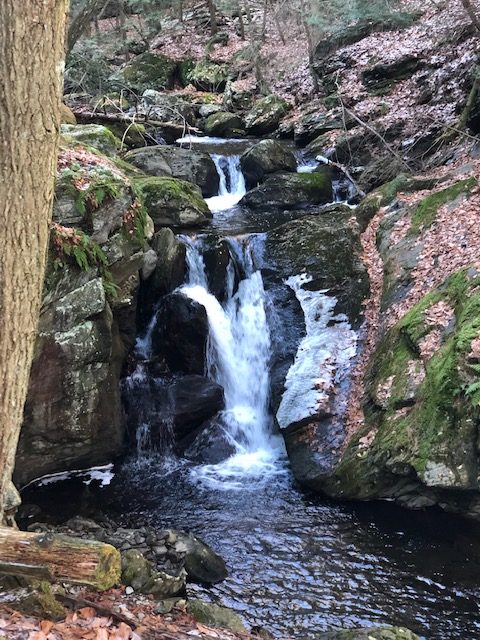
x=80 y=23
x=212 y=9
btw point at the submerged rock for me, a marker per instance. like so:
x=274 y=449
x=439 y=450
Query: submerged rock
x=202 y=564
x=138 y=573
x=185 y=164
x=264 y=158
x=291 y=191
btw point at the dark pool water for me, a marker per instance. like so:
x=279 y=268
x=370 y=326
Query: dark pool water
x=300 y=564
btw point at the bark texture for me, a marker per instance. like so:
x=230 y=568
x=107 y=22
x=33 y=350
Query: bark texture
x=31 y=73
x=59 y=558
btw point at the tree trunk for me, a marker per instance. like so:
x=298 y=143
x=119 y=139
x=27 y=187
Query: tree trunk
x=31 y=77
x=58 y=558
x=311 y=48
x=81 y=22
x=471 y=13
x=122 y=19
x=213 y=16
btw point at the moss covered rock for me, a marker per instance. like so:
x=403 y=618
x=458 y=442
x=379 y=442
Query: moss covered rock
x=291 y=191
x=264 y=158
x=149 y=71
x=207 y=75
x=173 y=203
x=215 y=616
x=423 y=399
x=266 y=114
x=92 y=135
x=223 y=124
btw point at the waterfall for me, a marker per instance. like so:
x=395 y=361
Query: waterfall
x=232 y=183
x=238 y=357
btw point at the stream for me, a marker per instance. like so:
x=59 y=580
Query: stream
x=298 y=563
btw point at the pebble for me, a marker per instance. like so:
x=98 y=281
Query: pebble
x=129 y=591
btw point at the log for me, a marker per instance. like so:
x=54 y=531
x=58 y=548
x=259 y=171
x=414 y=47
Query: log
x=59 y=558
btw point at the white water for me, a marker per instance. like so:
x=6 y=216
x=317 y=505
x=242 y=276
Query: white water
x=238 y=359
x=232 y=183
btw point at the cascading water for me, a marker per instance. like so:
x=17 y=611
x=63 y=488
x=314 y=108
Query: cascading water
x=238 y=359
x=232 y=183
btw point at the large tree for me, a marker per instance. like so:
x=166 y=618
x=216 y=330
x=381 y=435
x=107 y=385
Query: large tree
x=31 y=73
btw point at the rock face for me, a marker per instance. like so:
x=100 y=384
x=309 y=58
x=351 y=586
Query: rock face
x=418 y=444
x=319 y=256
x=181 y=333
x=223 y=124
x=185 y=164
x=266 y=114
x=173 y=203
x=265 y=158
x=291 y=191
x=73 y=414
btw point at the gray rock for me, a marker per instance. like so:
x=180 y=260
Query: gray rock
x=224 y=124
x=264 y=158
x=290 y=191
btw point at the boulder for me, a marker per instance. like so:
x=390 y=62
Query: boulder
x=215 y=616
x=207 y=75
x=195 y=400
x=185 y=164
x=315 y=123
x=291 y=191
x=92 y=135
x=181 y=333
x=265 y=158
x=166 y=107
x=237 y=97
x=216 y=257
x=266 y=114
x=212 y=445
x=224 y=124
x=202 y=564
x=148 y=71
x=138 y=573
x=379 y=172
x=173 y=203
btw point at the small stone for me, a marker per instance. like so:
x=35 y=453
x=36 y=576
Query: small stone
x=129 y=591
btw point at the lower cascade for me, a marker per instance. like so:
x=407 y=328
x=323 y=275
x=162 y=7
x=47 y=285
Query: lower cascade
x=238 y=355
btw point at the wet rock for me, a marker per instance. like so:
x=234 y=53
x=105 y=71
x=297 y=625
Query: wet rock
x=265 y=158
x=148 y=71
x=195 y=400
x=266 y=114
x=212 y=445
x=170 y=268
x=185 y=164
x=291 y=191
x=370 y=633
x=173 y=203
x=138 y=573
x=216 y=256
x=215 y=616
x=224 y=124
x=181 y=333
x=202 y=564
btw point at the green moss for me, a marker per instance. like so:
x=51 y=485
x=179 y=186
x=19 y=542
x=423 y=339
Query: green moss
x=425 y=212
x=153 y=189
x=412 y=326
x=149 y=71
x=208 y=75
x=314 y=181
x=94 y=135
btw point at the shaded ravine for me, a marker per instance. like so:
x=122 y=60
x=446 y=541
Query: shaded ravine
x=298 y=563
